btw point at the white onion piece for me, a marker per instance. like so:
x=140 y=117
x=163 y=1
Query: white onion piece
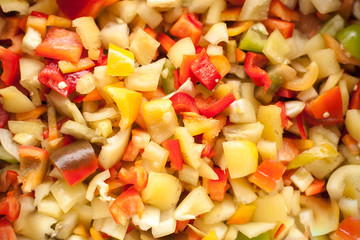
x=8 y=143
x=104 y=113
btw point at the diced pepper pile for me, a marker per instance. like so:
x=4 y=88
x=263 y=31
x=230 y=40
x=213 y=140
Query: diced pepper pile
x=196 y=119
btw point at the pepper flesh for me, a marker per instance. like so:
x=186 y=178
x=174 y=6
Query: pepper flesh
x=253 y=64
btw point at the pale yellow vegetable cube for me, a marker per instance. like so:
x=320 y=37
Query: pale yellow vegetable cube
x=160 y=119
x=154 y=157
x=89 y=34
x=162 y=191
x=191 y=151
x=11 y=98
x=241 y=157
x=326 y=61
x=143 y=47
x=269 y=209
x=195 y=203
x=270 y=117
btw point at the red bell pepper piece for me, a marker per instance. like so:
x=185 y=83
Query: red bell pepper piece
x=72 y=79
x=75 y=161
x=4 y=117
x=217 y=188
x=173 y=146
x=300 y=123
x=102 y=60
x=33 y=166
x=185 y=69
x=136 y=175
x=8 y=178
x=181 y=225
x=253 y=64
x=11 y=67
x=61 y=44
x=286 y=93
x=355 y=98
x=205 y=71
x=6 y=230
x=82 y=8
x=325 y=109
x=278 y=9
x=39 y=14
x=10 y=206
x=187 y=26
x=317 y=186
x=176 y=78
x=131 y=152
x=211 y=109
x=51 y=77
x=183 y=102
x=284 y=117
x=348 y=229
x=268 y=175
x=208 y=151
x=125 y=205
x=165 y=41
x=286 y=28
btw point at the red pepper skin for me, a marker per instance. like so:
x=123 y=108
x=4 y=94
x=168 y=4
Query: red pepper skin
x=187 y=26
x=51 y=77
x=355 y=98
x=11 y=67
x=300 y=123
x=75 y=161
x=61 y=44
x=208 y=152
x=217 y=188
x=286 y=93
x=253 y=64
x=173 y=146
x=214 y=108
x=6 y=230
x=348 y=229
x=136 y=176
x=176 y=78
x=165 y=41
x=82 y=8
x=4 y=117
x=72 y=79
x=125 y=205
x=278 y=9
x=185 y=69
x=7 y=179
x=183 y=102
x=39 y=14
x=268 y=175
x=10 y=206
x=330 y=102
x=205 y=72
x=284 y=117
x=286 y=28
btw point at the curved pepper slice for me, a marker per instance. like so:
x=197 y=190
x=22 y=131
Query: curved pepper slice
x=253 y=64
x=75 y=161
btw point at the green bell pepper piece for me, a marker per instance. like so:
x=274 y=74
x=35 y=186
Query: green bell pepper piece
x=333 y=26
x=349 y=37
x=263 y=236
x=252 y=40
x=324 y=150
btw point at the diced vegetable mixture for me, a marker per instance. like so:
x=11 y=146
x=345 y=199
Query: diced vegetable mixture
x=180 y=119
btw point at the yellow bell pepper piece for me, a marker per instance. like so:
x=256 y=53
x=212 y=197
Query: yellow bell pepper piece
x=69 y=67
x=210 y=236
x=242 y=215
x=128 y=101
x=120 y=61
